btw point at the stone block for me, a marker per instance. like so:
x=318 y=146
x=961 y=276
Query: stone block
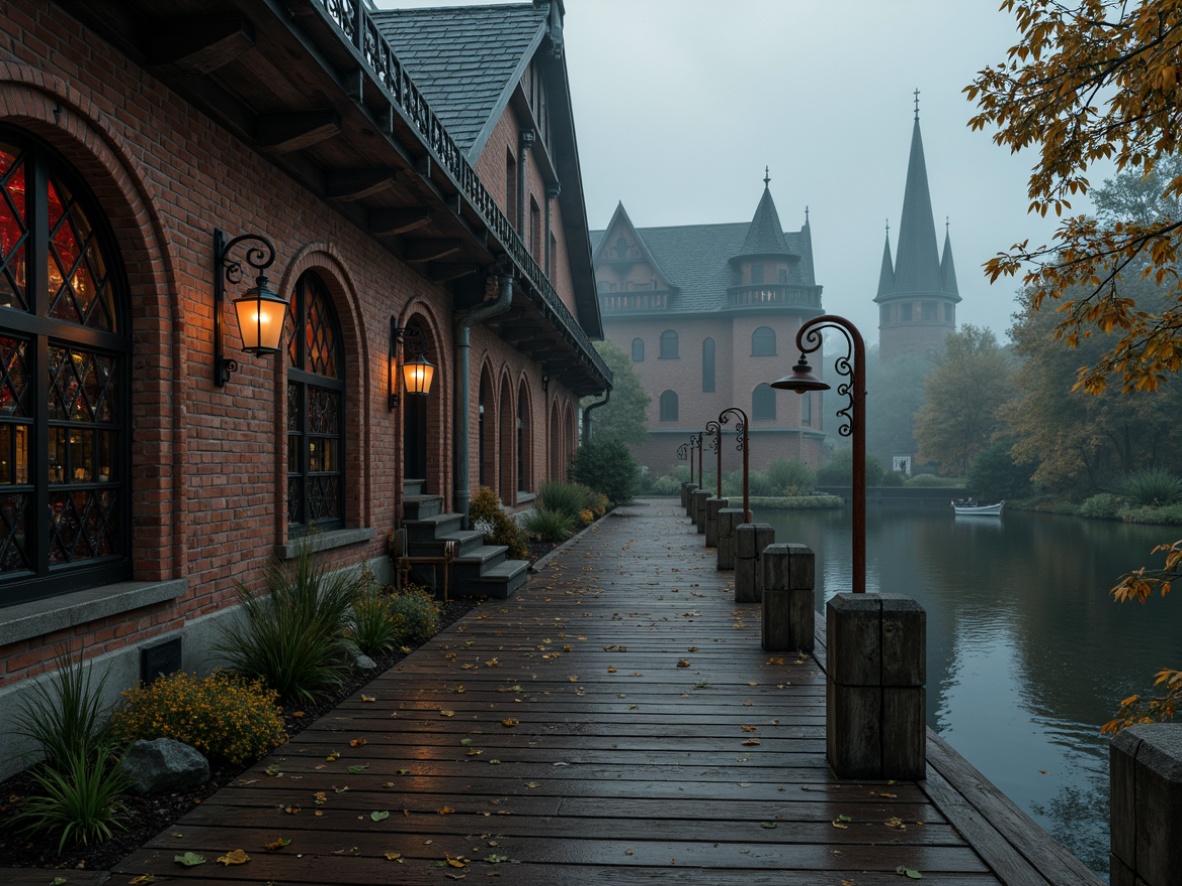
x=875 y=696
x=713 y=506
x=698 y=503
x=688 y=498
x=164 y=765
x=728 y=520
x=1146 y=796
x=750 y=540
x=786 y=585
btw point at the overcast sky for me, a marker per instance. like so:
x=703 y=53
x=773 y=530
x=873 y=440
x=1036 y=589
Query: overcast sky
x=680 y=104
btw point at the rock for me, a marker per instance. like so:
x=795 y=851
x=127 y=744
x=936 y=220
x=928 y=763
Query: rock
x=364 y=662
x=164 y=765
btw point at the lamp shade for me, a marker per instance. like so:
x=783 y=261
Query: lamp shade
x=261 y=314
x=418 y=374
x=801 y=380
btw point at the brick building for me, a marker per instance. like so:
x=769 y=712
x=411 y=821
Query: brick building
x=416 y=179
x=709 y=314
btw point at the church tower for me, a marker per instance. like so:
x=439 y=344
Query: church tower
x=917 y=293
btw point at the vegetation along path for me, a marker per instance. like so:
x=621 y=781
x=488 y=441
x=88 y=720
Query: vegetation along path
x=615 y=722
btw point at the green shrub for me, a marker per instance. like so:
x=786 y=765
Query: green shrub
x=295 y=637
x=553 y=526
x=78 y=799
x=372 y=628
x=839 y=470
x=1105 y=506
x=1171 y=514
x=563 y=498
x=994 y=475
x=415 y=616
x=487 y=515
x=666 y=484
x=1154 y=487
x=607 y=466
x=892 y=478
x=224 y=717
x=789 y=477
x=65 y=715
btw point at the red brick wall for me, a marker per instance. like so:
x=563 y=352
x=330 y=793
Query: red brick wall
x=209 y=463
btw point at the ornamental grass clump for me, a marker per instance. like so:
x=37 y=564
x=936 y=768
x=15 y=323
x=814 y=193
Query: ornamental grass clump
x=548 y=525
x=1153 y=488
x=414 y=615
x=372 y=626
x=79 y=781
x=224 y=717
x=294 y=638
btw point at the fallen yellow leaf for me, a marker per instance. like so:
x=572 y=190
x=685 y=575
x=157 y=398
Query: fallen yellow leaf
x=368 y=698
x=235 y=857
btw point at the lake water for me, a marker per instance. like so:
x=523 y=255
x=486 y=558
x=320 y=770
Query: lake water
x=1027 y=653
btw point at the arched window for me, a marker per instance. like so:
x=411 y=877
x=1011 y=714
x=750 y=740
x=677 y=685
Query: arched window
x=708 y=365
x=638 y=350
x=64 y=404
x=668 y=406
x=525 y=436
x=315 y=411
x=763 y=403
x=763 y=342
x=668 y=345
x=806 y=409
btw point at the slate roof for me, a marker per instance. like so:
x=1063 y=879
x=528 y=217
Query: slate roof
x=466 y=60
x=918 y=267
x=696 y=259
x=764 y=236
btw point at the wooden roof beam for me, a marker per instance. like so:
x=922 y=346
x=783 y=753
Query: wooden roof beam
x=397 y=221
x=431 y=249
x=285 y=133
x=199 y=45
x=356 y=184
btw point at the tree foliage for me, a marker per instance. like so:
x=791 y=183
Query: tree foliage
x=625 y=415
x=1096 y=81
x=962 y=394
x=897 y=393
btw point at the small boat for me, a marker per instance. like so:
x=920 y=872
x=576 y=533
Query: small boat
x=970 y=509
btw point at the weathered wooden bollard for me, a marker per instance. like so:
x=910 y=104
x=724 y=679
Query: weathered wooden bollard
x=1145 y=775
x=874 y=688
x=789 y=617
x=686 y=489
x=713 y=506
x=699 y=497
x=750 y=540
x=728 y=519
x=690 y=489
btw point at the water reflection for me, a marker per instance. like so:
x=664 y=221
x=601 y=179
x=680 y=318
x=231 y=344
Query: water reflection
x=1027 y=654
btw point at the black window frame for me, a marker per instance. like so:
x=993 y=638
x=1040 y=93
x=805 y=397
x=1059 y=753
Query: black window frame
x=762 y=397
x=669 y=406
x=709 y=352
x=763 y=345
x=669 y=345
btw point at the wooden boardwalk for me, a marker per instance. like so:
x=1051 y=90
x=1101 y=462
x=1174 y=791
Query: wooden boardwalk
x=616 y=722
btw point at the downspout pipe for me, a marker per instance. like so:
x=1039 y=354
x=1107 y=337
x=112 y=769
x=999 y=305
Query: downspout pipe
x=463 y=423
x=587 y=414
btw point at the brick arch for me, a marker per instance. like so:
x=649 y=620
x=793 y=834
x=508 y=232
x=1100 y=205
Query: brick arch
x=486 y=440
x=48 y=107
x=527 y=437
x=418 y=314
x=322 y=260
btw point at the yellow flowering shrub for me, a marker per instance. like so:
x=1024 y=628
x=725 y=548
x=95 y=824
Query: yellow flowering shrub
x=586 y=516
x=224 y=717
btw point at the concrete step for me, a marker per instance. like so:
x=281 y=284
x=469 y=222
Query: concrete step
x=500 y=581
x=419 y=507
x=429 y=529
x=413 y=487
x=469 y=539
x=475 y=562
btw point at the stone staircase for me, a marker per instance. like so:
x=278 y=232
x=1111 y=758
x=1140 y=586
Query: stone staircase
x=480 y=570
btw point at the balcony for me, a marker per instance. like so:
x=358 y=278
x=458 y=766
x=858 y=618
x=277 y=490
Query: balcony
x=769 y=295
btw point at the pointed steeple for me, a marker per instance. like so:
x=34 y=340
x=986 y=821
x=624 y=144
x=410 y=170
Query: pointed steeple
x=917 y=264
x=764 y=236
x=886 y=276
x=947 y=268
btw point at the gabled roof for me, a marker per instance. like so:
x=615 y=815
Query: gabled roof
x=466 y=60
x=602 y=250
x=696 y=259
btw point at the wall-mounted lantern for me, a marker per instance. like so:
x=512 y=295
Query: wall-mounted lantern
x=417 y=374
x=261 y=311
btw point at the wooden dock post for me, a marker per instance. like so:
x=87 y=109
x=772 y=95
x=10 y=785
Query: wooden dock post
x=687 y=492
x=789 y=616
x=750 y=540
x=713 y=506
x=874 y=688
x=728 y=520
x=1145 y=774
x=699 y=497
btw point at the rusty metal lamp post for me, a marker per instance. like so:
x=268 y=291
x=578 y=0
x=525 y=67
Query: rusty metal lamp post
x=696 y=442
x=808 y=340
x=716 y=444
x=741 y=445
x=683 y=454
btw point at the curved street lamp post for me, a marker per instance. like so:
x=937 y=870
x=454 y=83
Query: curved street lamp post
x=716 y=445
x=802 y=380
x=741 y=445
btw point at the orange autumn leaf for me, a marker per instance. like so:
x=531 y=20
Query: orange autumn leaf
x=238 y=856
